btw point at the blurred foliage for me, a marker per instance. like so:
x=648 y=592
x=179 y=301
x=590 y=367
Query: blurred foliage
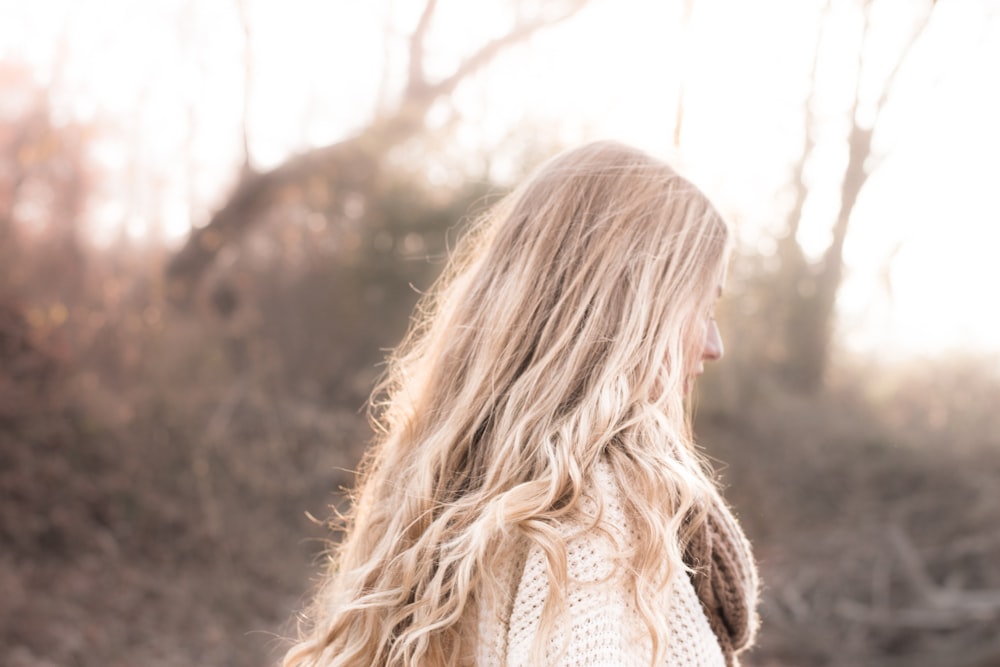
x=157 y=463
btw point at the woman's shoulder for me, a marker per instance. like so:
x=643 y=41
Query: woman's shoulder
x=599 y=623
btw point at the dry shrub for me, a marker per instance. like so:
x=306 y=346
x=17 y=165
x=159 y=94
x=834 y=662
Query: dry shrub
x=157 y=465
x=874 y=508
x=154 y=512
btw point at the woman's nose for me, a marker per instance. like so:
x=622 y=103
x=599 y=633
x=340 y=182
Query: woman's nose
x=713 y=349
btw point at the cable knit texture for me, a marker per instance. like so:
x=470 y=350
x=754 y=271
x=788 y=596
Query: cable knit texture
x=601 y=625
x=725 y=580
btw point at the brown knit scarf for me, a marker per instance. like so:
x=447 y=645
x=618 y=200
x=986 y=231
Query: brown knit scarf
x=725 y=579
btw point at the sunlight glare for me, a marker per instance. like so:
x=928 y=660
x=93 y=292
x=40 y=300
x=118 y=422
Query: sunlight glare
x=165 y=82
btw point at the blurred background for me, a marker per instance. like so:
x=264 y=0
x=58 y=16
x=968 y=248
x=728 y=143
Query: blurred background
x=216 y=217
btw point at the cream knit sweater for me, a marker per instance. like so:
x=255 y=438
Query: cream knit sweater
x=601 y=627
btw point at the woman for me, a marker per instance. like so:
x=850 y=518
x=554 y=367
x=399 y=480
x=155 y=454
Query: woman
x=534 y=496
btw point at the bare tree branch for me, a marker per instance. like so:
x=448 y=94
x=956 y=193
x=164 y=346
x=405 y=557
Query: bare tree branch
x=490 y=50
x=890 y=82
x=798 y=178
x=417 y=76
x=859 y=69
x=982 y=603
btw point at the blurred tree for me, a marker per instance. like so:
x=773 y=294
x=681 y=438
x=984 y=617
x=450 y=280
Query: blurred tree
x=347 y=173
x=340 y=293
x=45 y=176
x=804 y=291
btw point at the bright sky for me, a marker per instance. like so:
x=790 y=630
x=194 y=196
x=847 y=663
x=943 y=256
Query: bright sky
x=166 y=76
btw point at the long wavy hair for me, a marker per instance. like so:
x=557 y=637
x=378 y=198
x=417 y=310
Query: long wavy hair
x=563 y=331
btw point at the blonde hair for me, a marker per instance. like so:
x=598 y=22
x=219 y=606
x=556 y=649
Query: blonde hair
x=561 y=333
